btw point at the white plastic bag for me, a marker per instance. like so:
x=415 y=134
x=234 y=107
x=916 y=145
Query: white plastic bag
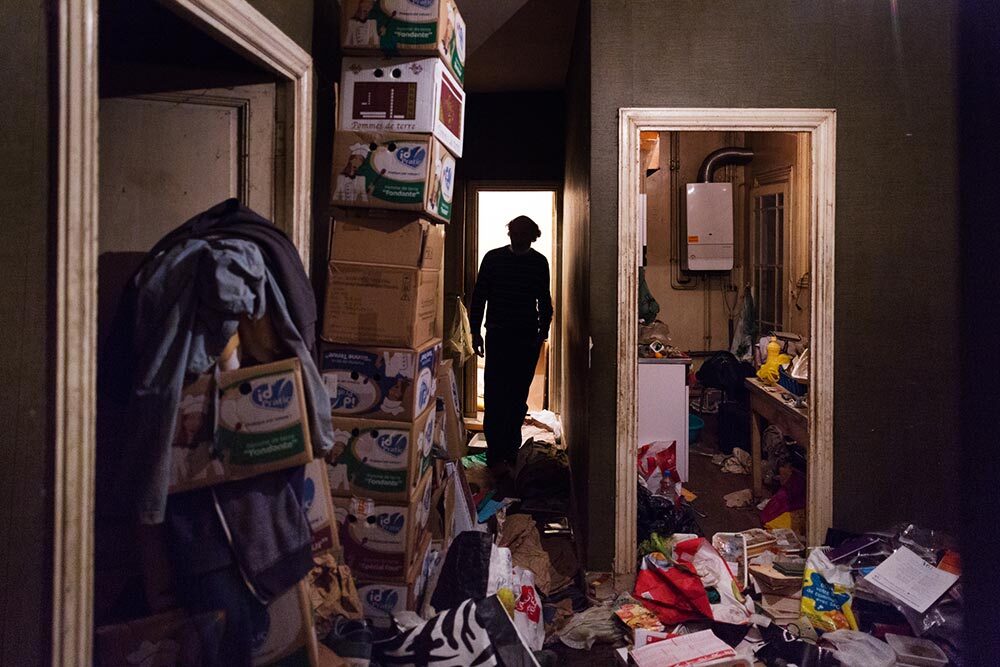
x=501 y=577
x=857 y=649
x=528 y=609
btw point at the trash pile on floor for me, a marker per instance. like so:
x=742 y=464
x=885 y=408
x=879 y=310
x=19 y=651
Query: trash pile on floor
x=761 y=597
x=494 y=580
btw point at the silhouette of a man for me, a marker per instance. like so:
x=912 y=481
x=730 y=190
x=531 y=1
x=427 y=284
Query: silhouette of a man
x=514 y=283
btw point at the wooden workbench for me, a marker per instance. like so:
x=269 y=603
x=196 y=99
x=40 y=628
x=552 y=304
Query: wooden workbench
x=767 y=404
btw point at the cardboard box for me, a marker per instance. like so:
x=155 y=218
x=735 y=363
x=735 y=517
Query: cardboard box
x=318 y=505
x=428 y=27
x=455 y=436
x=289 y=639
x=405 y=172
x=380 y=601
x=394 y=384
x=368 y=236
x=381 y=540
x=171 y=638
x=380 y=305
x=379 y=459
x=403 y=95
x=261 y=425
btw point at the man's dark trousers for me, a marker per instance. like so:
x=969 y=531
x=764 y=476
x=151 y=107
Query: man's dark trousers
x=511 y=357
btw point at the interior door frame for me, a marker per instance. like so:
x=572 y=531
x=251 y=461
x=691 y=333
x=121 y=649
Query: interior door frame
x=471 y=270
x=237 y=24
x=821 y=125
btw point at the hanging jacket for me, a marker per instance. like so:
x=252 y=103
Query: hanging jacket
x=188 y=304
x=228 y=219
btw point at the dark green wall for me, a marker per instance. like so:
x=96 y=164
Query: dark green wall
x=25 y=462
x=896 y=338
x=576 y=271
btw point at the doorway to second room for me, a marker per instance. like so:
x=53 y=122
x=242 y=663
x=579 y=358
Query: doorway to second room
x=493 y=206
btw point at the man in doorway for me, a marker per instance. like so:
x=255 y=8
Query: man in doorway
x=514 y=281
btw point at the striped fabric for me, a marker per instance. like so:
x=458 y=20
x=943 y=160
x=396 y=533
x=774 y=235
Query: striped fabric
x=516 y=287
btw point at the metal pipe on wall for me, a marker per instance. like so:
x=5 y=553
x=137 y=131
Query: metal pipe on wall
x=678 y=280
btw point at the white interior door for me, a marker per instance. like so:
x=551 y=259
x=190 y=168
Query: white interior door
x=166 y=157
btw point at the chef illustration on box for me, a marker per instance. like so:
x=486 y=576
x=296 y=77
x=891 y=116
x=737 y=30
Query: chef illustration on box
x=400 y=367
x=363 y=28
x=351 y=184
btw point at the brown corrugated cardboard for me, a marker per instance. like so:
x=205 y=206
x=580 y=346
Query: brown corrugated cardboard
x=382 y=600
x=261 y=426
x=402 y=95
x=454 y=426
x=407 y=172
x=379 y=459
x=318 y=504
x=390 y=383
x=380 y=540
x=171 y=638
x=290 y=636
x=380 y=305
x=369 y=236
x=429 y=27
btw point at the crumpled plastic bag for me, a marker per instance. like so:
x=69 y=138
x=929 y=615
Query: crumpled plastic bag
x=657 y=463
x=589 y=627
x=858 y=649
x=827 y=593
x=676 y=586
x=458 y=342
x=528 y=609
x=500 y=581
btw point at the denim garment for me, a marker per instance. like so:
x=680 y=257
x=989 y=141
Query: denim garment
x=189 y=303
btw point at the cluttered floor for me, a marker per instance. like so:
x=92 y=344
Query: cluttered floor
x=748 y=596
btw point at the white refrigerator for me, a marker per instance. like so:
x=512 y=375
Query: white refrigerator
x=662 y=405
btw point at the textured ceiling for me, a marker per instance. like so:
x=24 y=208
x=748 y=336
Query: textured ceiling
x=518 y=44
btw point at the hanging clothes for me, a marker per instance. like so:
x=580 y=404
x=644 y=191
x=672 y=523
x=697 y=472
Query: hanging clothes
x=746 y=329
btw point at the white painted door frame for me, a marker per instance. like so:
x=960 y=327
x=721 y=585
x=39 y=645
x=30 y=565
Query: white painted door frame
x=821 y=125
x=240 y=26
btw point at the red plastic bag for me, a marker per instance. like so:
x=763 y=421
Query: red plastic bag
x=674 y=588
x=658 y=469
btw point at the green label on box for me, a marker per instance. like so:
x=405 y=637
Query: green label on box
x=401 y=32
x=456 y=63
x=444 y=207
x=387 y=189
x=257 y=448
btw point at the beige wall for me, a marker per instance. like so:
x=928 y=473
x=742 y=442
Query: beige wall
x=697 y=316
x=684 y=310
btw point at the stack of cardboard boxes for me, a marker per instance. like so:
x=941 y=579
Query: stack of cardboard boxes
x=400 y=128
x=257 y=417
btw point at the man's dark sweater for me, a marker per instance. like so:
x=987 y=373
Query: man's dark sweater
x=517 y=289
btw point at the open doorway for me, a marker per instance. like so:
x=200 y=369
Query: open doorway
x=724 y=255
x=492 y=207
x=237 y=46
x=762 y=204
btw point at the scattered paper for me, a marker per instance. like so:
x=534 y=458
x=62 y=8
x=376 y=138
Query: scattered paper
x=743 y=498
x=683 y=650
x=911 y=579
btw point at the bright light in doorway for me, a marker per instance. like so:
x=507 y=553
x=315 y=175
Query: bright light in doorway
x=495 y=208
